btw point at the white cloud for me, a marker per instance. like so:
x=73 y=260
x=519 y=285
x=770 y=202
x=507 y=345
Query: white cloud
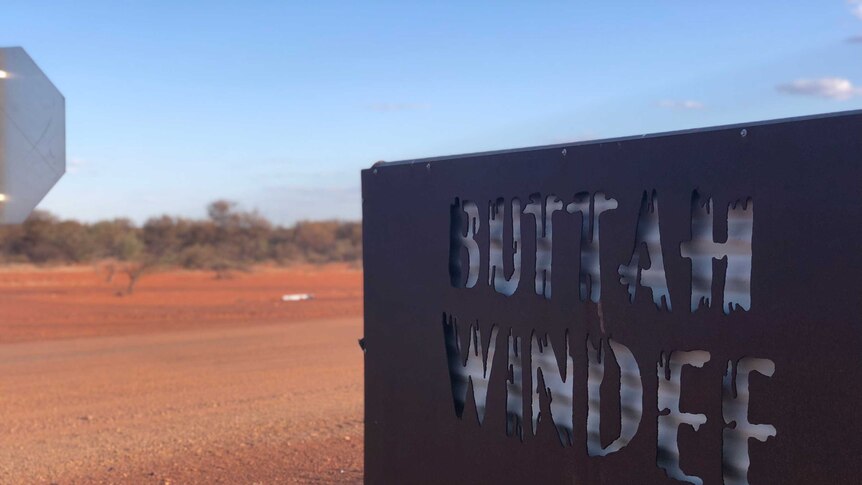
x=684 y=104
x=75 y=165
x=856 y=8
x=395 y=107
x=827 y=87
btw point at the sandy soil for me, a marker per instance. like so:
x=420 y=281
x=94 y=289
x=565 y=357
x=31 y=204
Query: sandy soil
x=189 y=380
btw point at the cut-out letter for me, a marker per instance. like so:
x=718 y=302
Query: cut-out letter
x=496 y=268
x=556 y=383
x=650 y=272
x=590 y=274
x=735 y=459
x=704 y=250
x=670 y=417
x=470 y=370
x=631 y=397
x=514 y=390
x=544 y=238
x=463 y=216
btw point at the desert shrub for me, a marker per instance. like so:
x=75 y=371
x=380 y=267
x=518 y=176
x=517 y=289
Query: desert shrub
x=199 y=256
x=117 y=239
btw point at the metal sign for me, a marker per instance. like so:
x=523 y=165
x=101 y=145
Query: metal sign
x=677 y=308
x=32 y=135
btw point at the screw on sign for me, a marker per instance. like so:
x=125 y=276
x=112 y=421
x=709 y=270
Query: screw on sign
x=32 y=135
x=673 y=308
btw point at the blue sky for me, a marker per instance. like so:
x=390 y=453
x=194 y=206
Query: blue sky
x=278 y=105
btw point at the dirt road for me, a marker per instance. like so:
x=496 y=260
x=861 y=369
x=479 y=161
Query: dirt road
x=212 y=401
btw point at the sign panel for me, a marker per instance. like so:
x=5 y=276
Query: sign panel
x=677 y=308
x=32 y=135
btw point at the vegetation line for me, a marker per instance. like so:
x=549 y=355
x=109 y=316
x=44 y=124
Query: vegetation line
x=229 y=239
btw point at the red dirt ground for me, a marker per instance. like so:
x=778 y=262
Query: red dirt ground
x=189 y=380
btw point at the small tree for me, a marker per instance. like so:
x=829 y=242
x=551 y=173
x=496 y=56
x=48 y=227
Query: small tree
x=111 y=269
x=135 y=270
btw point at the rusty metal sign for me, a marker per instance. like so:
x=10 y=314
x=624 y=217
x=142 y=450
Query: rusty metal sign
x=675 y=308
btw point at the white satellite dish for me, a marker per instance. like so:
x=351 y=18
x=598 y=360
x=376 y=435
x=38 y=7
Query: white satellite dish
x=32 y=135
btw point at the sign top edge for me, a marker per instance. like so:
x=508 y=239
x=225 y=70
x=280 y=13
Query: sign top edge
x=743 y=125
x=34 y=65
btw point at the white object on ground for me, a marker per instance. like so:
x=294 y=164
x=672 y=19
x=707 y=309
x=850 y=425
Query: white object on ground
x=297 y=297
